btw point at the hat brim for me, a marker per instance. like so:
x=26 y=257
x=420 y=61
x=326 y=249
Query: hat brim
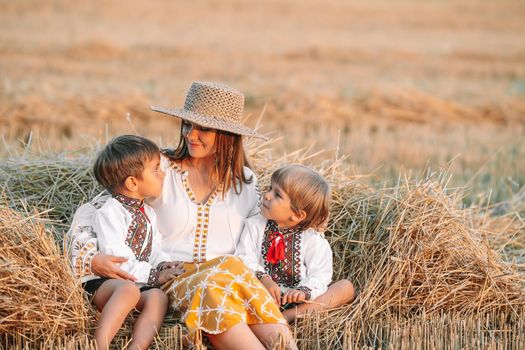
x=210 y=122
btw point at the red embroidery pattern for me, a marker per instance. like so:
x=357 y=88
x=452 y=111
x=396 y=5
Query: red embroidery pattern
x=288 y=271
x=138 y=230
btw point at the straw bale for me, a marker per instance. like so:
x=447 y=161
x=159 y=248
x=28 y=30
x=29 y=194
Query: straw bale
x=39 y=298
x=411 y=250
x=54 y=183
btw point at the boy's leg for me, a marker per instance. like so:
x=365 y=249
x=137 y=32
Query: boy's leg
x=339 y=293
x=152 y=305
x=114 y=299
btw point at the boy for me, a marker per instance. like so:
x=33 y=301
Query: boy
x=290 y=258
x=129 y=168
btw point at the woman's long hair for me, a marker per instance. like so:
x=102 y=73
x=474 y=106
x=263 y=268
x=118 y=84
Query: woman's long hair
x=230 y=160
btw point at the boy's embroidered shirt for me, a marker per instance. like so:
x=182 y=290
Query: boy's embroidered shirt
x=139 y=235
x=126 y=227
x=80 y=242
x=287 y=271
x=198 y=232
x=307 y=263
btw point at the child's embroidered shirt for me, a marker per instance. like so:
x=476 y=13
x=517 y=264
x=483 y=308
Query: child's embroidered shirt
x=307 y=263
x=126 y=227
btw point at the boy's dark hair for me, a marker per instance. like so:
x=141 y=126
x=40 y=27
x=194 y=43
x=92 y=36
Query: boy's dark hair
x=307 y=191
x=122 y=157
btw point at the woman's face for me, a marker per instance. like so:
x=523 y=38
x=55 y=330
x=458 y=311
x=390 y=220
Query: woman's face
x=200 y=140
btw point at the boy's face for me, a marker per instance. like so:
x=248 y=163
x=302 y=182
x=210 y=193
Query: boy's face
x=276 y=206
x=152 y=178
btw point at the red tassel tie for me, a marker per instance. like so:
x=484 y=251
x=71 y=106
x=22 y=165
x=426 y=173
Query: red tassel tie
x=276 y=249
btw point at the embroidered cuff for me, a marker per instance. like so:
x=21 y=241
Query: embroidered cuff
x=260 y=275
x=89 y=260
x=153 y=279
x=307 y=291
x=83 y=259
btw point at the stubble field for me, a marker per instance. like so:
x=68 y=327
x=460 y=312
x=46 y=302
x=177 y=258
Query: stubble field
x=393 y=92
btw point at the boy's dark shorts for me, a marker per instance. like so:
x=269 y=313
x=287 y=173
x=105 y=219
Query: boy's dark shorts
x=93 y=285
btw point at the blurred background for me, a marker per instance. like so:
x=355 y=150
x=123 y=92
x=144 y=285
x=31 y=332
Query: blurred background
x=395 y=86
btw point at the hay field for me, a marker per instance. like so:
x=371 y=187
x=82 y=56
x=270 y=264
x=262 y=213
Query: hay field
x=420 y=104
x=392 y=86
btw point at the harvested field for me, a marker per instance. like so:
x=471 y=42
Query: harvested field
x=423 y=265
x=414 y=111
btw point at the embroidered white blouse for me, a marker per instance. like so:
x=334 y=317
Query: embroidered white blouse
x=196 y=232
x=125 y=230
x=313 y=254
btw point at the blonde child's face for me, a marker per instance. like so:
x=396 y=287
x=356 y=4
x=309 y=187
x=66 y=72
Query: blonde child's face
x=276 y=206
x=152 y=178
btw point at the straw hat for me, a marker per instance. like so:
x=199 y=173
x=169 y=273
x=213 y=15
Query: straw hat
x=213 y=105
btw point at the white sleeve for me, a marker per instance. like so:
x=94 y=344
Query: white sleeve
x=110 y=226
x=256 y=197
x=80 y=242
x=164 y=162
x=249 y=247
x=319 y=268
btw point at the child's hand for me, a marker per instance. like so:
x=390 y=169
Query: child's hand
x=167 y=274
x=293 y=296
x=171 y=264
x=273 y=288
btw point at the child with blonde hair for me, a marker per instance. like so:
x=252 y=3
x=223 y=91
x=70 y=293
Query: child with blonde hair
x=285 y=251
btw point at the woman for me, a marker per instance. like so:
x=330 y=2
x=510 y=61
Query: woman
x=208 y=192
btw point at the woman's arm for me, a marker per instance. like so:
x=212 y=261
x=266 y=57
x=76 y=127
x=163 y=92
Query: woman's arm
x=106 y=265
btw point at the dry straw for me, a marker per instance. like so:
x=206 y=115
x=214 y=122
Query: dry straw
x=426 y=275
x=39 y=299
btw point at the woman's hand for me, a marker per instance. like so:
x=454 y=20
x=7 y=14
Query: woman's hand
x=105 y=265
x=293 y=296
x=167 y=274
x=273 y=288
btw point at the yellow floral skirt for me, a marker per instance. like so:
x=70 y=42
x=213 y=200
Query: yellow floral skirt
x=218 y=294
